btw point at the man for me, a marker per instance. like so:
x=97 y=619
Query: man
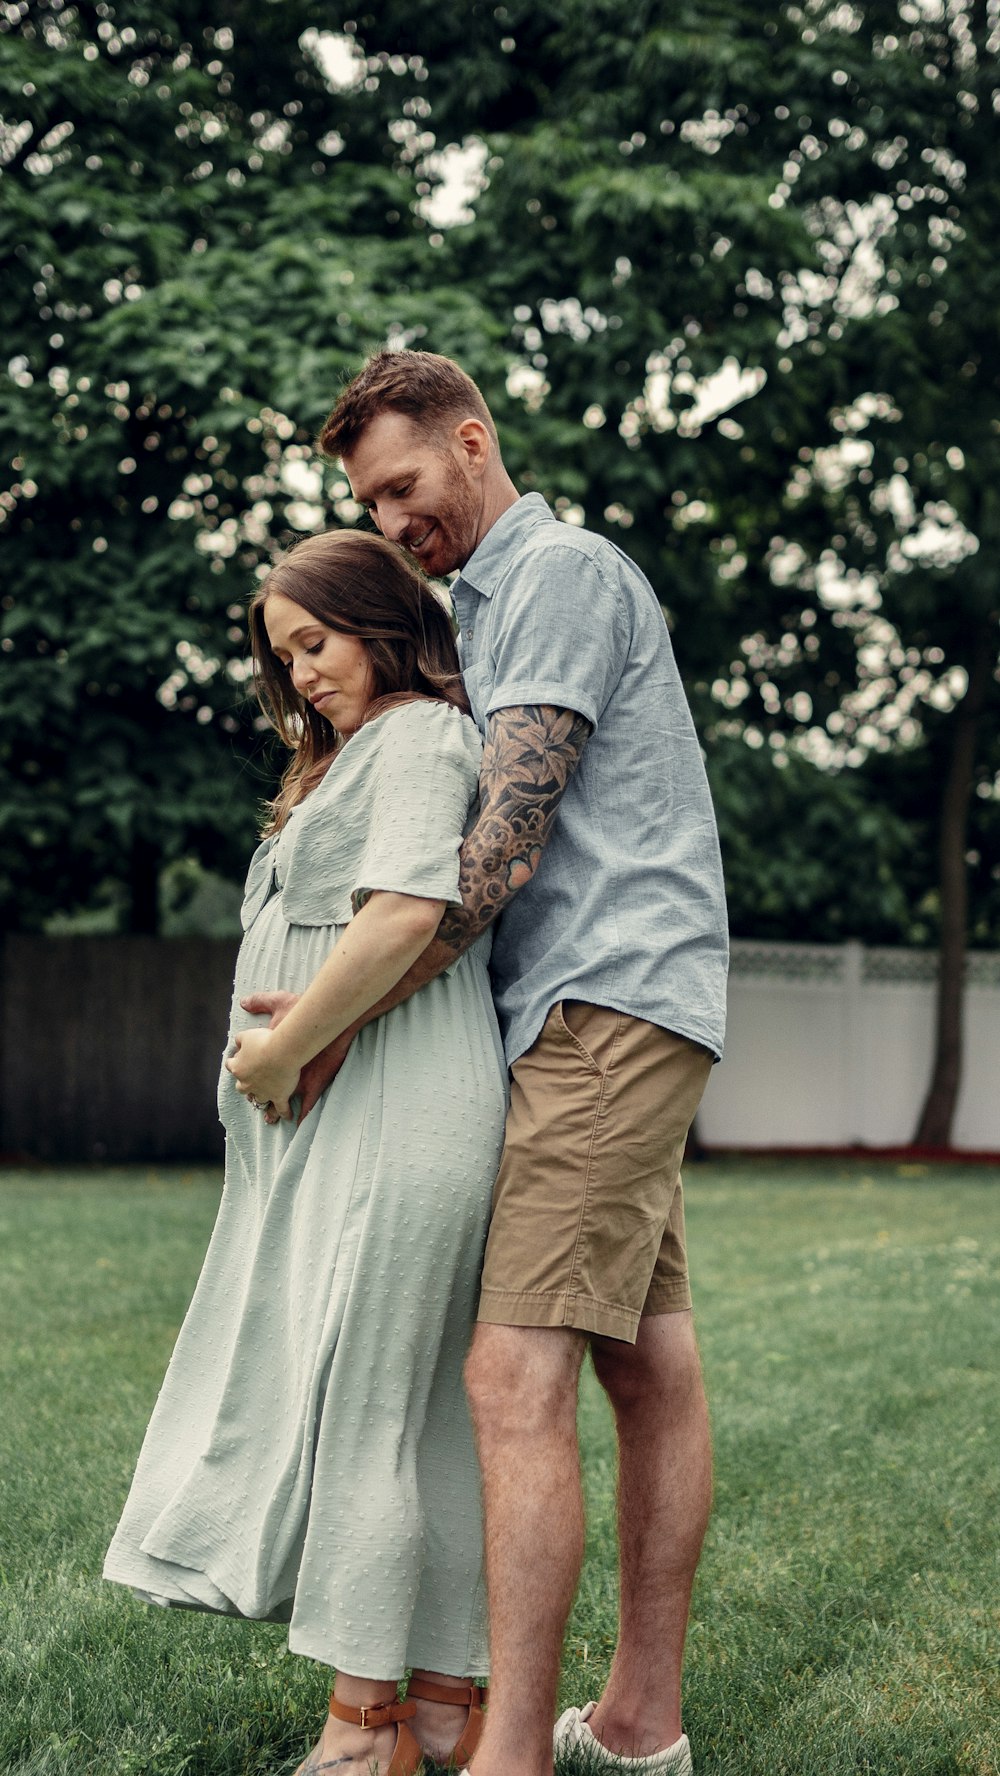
x=596 y=842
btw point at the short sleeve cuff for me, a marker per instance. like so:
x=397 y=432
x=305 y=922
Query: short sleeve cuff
x=514 y=696
x=421 y=886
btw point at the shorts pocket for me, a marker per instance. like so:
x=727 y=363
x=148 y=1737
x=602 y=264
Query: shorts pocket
x=571 y=1018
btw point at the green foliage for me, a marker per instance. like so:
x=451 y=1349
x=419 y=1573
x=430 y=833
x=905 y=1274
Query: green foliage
x=206 y=233
x=810 y=855
x=193 y=270
x=807 y=197
x=194 y=902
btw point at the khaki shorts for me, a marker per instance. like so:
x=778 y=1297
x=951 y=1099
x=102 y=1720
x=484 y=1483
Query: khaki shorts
x=588 y=1210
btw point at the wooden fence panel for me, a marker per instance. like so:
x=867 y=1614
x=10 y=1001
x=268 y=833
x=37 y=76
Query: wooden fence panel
x=110 y=1047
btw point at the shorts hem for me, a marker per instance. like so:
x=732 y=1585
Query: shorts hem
x=581 y=1313
x=668 y=1297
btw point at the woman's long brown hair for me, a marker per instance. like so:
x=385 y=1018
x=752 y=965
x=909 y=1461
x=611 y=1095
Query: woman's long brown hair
x=360 y=585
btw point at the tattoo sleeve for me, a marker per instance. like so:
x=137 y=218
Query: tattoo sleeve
x=529 y=757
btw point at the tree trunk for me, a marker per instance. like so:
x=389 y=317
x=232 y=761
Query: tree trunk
x=938 y=1113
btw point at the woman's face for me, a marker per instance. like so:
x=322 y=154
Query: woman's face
x=332 y=671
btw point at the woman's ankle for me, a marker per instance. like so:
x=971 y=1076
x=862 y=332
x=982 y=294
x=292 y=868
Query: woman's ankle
x=364 y=1692
x=441 y=1678
x=441 y=1724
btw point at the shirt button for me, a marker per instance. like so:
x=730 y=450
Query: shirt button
x=469 y=634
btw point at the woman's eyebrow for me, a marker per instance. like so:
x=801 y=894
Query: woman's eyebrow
x=302 y=629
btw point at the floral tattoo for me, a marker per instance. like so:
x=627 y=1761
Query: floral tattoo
x=530 y=755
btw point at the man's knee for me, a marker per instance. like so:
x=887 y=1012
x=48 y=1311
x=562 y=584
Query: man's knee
x=662 y=1367
x=522 y=1380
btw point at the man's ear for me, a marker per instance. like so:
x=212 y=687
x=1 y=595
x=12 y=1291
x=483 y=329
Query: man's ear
x=473 y=442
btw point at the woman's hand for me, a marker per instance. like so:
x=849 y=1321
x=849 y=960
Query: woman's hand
x=309 y=1036
x=262 y=1075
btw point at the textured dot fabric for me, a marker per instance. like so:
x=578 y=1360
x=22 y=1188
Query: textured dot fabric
x=310 y=1457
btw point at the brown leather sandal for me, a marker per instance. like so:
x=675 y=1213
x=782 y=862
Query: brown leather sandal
x=471 y=1696
x=407 y=1757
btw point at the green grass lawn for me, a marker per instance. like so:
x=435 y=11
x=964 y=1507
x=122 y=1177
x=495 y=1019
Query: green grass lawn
x=846 y=1617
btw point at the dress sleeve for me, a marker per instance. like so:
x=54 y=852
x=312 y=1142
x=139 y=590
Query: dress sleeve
x=425 y=787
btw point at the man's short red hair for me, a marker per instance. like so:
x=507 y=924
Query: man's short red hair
x=431 y=390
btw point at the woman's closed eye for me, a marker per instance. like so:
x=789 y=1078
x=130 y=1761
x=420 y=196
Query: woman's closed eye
x=286 y=665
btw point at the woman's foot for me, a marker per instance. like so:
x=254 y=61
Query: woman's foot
x=349 y=1751
x=365 y=1739
x=439 y=1725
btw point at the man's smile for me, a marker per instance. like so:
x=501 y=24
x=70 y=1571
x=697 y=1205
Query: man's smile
x=415 y=544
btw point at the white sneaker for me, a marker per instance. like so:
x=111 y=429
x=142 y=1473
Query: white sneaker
x=571 y=1730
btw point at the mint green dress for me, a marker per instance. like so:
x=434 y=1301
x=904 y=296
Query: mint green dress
x=310 y=1456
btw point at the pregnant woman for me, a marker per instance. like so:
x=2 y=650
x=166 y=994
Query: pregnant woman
x=310 y=1457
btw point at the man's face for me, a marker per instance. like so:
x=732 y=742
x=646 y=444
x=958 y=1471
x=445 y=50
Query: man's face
x=420 y=489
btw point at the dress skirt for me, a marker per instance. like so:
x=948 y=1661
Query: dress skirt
x=310 y=1457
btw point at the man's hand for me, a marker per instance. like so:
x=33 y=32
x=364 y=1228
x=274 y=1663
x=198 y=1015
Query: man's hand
x=321 y=1071
x=318 y=1073
x=270 y=1005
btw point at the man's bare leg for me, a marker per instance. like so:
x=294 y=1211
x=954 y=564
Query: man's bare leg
x=522 y=1384
x=664 y=1498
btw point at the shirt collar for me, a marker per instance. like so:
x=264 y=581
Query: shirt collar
x=488 y=563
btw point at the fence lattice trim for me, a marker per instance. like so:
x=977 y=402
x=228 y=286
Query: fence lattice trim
x=753 y=960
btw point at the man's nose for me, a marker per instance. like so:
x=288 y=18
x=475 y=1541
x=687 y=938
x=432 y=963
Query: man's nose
x=392 y=522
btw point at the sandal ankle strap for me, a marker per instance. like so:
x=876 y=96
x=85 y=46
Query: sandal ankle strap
x=377 y=1714
x=458 y=1695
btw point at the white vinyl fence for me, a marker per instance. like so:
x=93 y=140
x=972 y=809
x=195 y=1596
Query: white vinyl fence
x=831 y=1046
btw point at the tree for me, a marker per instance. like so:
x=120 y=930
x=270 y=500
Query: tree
x=890 y=523
x=728 y=282
x=809 y=853
x=808 y=202
x=203 y=237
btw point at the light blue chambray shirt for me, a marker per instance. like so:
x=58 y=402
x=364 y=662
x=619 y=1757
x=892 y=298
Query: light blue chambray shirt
x=627 y=907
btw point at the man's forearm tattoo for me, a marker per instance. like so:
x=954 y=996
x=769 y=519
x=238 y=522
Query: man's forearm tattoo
x=530 y=755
